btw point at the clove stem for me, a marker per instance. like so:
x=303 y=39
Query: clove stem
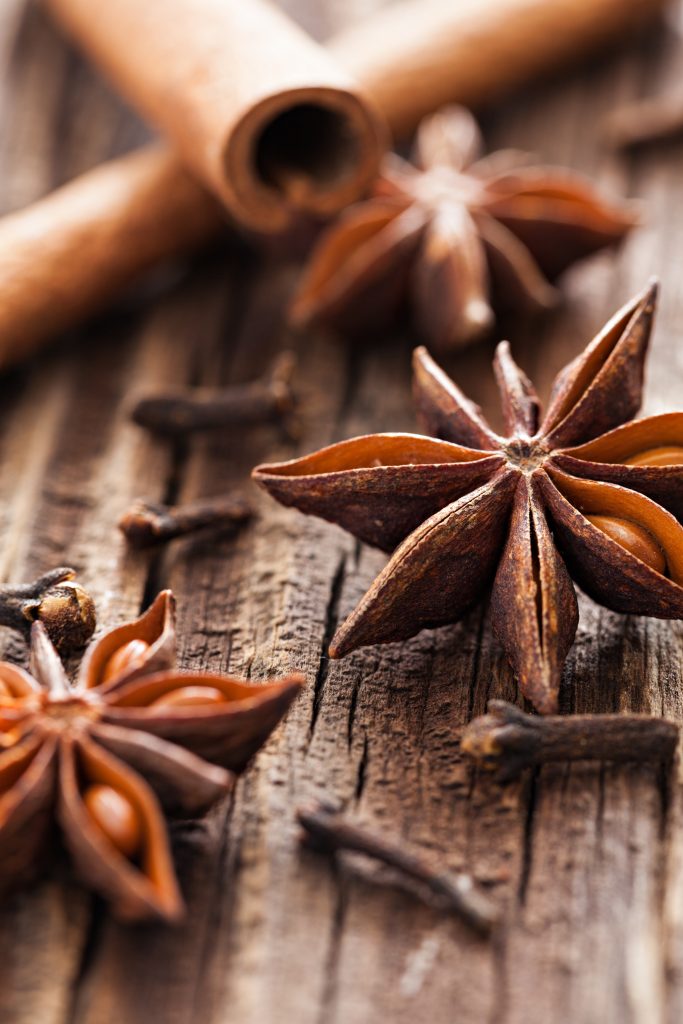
x=507 y=740
x=645 y=123
x=147 y=523
x=66 y=610
x=328 y=831
x=198 y=409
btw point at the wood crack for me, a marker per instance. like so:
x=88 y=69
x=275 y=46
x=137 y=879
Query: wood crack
x=330 y=626
x=476 y=664
x=92 y=939
x=528 y=842
x=500 y=995
x=331 y=970
x=219 y=909
x=362 y=771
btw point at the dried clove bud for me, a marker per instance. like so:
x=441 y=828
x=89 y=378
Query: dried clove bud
x=147 y=523
x=66 y=610
x=328 y=831
x=197 y=409
x=507 y=740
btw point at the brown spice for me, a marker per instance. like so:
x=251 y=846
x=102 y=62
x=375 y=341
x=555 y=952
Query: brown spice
x=65 y=609
x=506 y=740
x=245 y=97
x=511 y=515
x=148 y=523
x=116 y=816
x=110 y=225
x=460 y=234
x=328 y=831
x=413 y=56
x=199 y=409
x=104 y=757
x=98 y=234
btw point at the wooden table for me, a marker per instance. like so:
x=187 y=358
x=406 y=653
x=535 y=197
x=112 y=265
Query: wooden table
x=587 y=861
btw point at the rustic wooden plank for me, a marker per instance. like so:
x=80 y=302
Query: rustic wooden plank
x=588 y=862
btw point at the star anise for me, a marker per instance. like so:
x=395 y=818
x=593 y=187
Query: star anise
x=103 y=757
x=581 y=492
x=459 y=233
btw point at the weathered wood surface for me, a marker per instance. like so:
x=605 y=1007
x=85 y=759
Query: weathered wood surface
x=587 y=861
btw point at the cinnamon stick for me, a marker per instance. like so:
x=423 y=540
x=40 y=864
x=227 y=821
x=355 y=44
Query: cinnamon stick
x=47 y=288
x=416 y=55
x=259 y=112
x=63 y=257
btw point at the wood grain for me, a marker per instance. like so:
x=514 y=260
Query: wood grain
x=587 y=861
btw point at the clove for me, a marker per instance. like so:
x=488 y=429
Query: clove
x=645 y=123
x=193 y=410
x=507 y=740
x=66 y=610
x=147 y=523
x=328 y=831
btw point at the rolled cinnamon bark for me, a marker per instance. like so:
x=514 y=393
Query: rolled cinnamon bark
x=416 y=55
x=61 y=258
x=259 y=112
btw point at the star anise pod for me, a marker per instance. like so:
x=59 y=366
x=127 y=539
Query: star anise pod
x=580 y=492
x=459 y=233
x=103 y=757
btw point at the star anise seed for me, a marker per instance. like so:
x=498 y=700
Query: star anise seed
x=106 y=757
x=582 y=493
x=463 y=235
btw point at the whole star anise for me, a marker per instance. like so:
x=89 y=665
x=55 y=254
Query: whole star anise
x=461 y=234
x=579 y=494
x=103 y=757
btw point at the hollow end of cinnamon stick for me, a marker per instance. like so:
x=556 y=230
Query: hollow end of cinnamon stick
x=256 y=110
x=306 y=150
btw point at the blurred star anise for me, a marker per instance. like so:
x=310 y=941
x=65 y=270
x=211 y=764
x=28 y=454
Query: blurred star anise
x=460 y=233
x=581 y=492
x=103 y=757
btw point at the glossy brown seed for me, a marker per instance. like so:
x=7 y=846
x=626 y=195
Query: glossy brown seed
x=634 y=538
x=188 y=696
x=116 y=816
x=670 y=455
x=127 y=657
